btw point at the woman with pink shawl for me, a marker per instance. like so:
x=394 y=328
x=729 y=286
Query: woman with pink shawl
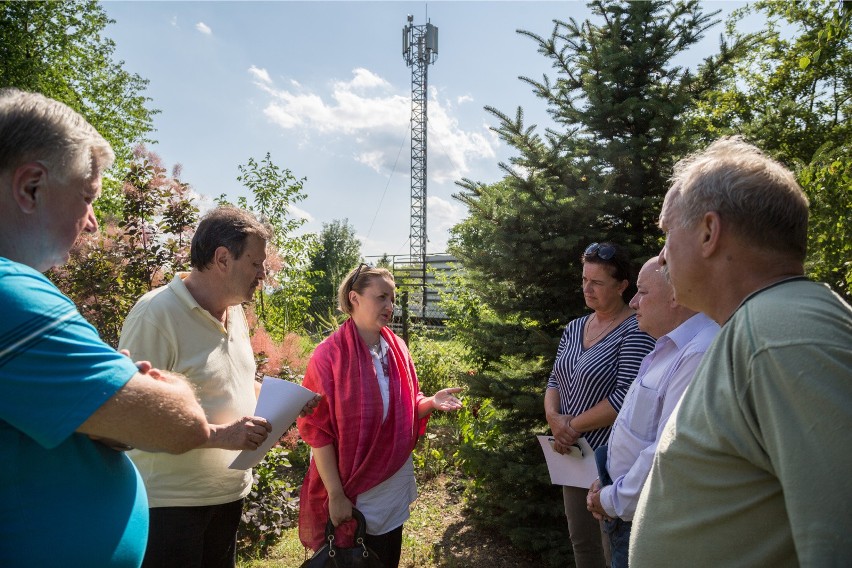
x=367 y=423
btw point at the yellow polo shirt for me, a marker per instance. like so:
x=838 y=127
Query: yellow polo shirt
x=168 y=328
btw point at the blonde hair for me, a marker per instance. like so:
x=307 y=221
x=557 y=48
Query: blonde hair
x=36 y=128
x=758 y=197
x=365 y=276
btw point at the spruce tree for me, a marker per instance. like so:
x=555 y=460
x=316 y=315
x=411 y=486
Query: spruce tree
x=618 y=102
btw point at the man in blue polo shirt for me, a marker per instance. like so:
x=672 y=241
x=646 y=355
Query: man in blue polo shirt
x=68 y=401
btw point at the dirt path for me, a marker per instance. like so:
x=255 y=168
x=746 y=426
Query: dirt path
x=438 y=518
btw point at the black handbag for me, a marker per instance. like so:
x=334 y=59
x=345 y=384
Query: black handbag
x=331 y=556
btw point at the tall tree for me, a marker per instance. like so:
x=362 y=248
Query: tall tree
x=60 y=49
x=618 y=103
x=791 y=93
x=337 y=252
x=283 y=306
x=792 y=96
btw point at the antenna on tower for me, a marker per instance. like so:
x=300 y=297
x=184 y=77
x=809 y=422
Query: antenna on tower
x=419 y=49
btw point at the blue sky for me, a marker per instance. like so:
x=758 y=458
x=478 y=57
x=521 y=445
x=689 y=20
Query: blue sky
x=323 y=87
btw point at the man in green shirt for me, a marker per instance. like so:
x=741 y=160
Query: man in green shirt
x=753 y=468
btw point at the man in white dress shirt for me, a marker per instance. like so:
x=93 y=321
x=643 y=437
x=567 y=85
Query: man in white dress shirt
x=682 y=338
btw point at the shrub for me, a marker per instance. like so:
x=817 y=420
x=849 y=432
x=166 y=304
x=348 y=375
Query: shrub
x=273 y=503
x=439 y=361
x=271 y=506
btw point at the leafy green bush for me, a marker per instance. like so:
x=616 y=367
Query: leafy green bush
x=271 y=506
x=439 y=361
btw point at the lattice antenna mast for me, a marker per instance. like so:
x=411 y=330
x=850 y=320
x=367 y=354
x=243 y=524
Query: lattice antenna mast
x=419 y=49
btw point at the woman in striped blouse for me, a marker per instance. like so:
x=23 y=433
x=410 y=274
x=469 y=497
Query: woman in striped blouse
x=597 y=359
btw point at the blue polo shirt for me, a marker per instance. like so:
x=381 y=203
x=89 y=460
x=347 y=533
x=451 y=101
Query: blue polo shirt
x=65 y=500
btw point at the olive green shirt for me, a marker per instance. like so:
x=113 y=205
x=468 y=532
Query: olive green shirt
x=754 y=468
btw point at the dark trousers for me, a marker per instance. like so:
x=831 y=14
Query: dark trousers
x=388 y=546
x=617 y=529
x=193 y=537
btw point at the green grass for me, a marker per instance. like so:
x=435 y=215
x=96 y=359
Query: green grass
x=438 y=535
x=428 y=518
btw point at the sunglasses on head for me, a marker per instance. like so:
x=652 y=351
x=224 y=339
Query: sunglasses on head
x=357 y=274
x=603 y=252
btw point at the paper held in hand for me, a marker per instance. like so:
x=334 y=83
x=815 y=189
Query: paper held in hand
x=279 y=402
x=576 y=469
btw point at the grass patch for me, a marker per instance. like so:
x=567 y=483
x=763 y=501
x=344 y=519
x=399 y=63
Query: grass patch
x=438 y=535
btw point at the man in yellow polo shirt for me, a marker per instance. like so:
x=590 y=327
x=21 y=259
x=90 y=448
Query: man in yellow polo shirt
x=196 y=326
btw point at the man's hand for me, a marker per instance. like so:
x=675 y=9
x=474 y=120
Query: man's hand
x=143 y=366
x=311 y=405
x=246 y=433
x=593 y=502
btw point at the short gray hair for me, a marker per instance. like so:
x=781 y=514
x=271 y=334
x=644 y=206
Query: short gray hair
x=757 y=196
x=35 y=128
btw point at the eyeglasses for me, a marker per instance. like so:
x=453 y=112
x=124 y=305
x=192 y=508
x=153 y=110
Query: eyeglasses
x=604 y=252
x=357 y=274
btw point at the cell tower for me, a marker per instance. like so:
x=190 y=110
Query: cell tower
x=419 y=49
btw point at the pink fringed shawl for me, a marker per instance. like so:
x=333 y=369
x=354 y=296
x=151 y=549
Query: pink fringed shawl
x=350 y=417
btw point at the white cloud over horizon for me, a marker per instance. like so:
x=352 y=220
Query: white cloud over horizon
x=443 y=214
x=260 y=74
x=376 y=120
x=300 y=213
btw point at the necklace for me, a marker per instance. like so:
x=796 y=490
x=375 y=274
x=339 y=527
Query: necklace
x=604 y=330
x=376 y=349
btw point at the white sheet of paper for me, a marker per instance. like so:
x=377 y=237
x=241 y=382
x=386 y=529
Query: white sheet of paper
x=576 y=469
x=279 y=402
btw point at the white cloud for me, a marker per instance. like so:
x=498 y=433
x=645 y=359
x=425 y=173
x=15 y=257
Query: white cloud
x=260 y=74
x=377 y=121
x=443 y=214
x=450 y=147
x=300 y=213
x=174 y=21
x=373 y=159
x=375 y=246
x=464 y=99
x=364 y=79
x=203 y=28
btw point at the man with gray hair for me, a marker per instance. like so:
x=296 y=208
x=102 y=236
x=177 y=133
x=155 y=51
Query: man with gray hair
x=682 y=336
x=753 y=467
x=68 y=401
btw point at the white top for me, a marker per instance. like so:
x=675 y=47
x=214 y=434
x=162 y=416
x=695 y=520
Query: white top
x=380 y=362
x=663 y=377
x=385 y=506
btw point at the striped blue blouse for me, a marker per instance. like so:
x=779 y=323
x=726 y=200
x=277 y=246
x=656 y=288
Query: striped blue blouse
x=584 y=377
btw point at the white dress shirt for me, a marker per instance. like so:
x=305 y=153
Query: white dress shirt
x=663 y=377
